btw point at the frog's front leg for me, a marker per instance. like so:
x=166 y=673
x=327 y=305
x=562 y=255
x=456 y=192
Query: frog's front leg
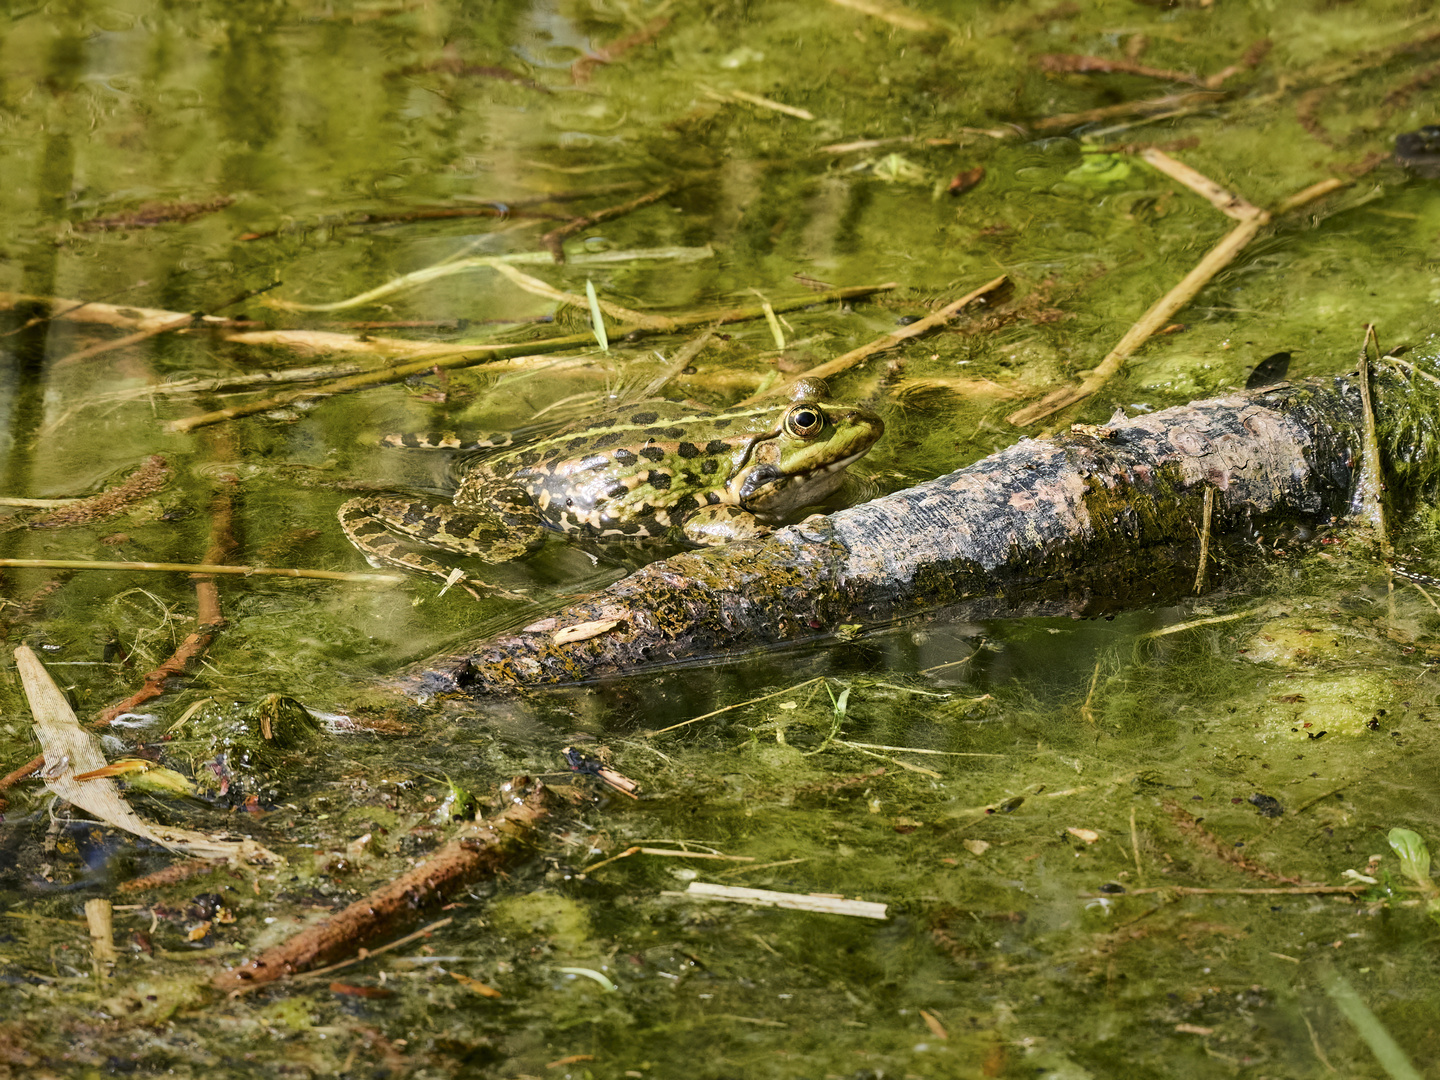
x=710 y=526
x=381 y=525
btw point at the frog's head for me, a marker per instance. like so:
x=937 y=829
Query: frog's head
x=803 y=460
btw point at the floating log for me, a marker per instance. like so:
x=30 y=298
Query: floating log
x=1101 y=519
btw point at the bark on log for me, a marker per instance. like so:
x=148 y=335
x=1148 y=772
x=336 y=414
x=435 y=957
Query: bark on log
x=1084 y=524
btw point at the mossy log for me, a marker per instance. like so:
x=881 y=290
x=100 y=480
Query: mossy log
x=1087 y=523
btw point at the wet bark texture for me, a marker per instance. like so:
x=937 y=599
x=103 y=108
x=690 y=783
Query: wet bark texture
x=1083 y=524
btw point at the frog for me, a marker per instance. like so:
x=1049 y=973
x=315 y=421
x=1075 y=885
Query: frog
x=656 y=469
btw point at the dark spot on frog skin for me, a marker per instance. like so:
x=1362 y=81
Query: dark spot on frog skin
x=688 y=450
x=644 y=419
x=712 y=497
x=686 y=505
x=609 y=439
x=658 y=480
x=709 y=465
x=715 y=447
x=652 y=453
x=616 y=491
x=624 y=457
x=675 y=433
x=1267 y=805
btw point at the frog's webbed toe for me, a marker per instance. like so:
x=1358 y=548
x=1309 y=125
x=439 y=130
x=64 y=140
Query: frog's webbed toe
x=382 y=526
x=714 y=525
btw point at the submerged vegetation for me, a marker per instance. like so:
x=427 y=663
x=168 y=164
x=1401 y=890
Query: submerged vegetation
x=241 y=244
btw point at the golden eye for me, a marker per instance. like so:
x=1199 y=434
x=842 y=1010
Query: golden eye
x=804 y=421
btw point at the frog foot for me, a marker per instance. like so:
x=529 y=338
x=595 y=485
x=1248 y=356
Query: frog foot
x=711 y=526
x=382 y=525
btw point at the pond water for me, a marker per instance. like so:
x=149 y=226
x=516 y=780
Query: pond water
x=1104 y=846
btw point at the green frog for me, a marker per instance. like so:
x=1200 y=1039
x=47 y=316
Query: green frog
x=657 y=469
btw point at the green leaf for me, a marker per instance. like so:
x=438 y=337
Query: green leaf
x=1414 y=857
x=597 y=320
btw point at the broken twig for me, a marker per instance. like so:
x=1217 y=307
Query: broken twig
x=889 y=341
x=1159 y=315
x=481 y=850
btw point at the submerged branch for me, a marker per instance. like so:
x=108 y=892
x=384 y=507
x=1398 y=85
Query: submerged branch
x=481 y=850
x=145 y=481
x=208 y=617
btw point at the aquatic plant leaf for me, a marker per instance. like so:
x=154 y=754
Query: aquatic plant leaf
x=69 y=750
x=1414 y=857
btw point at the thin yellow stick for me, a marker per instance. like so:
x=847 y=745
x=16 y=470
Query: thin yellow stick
x=1160 y=313
x=889 y=341
x=1206 y=514
x=464 y=356
x=918 y=750
x=1227 y=202
x=42 y=504
x=201 y=568
x=1180 y=628
x=1371 y=485
x=1286 y=890
x=737 y=705
x=459 y=357
x=1215 y=260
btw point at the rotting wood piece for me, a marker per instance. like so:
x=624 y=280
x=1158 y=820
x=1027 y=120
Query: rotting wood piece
x=1079 y=525
x=481 y=849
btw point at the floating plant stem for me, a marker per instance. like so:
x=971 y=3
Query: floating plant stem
x=597 y=317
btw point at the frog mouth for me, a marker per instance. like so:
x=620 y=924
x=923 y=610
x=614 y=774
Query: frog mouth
x=836 y=466
x=768 y=491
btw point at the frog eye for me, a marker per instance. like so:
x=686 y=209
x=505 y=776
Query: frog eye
x=804 y=421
